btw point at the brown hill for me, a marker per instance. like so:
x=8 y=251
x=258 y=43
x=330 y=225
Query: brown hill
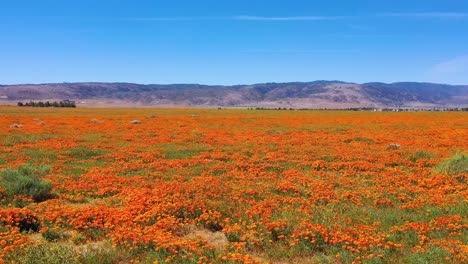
x=318 y=94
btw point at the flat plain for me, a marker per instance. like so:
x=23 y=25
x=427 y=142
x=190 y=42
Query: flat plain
x=232 y=186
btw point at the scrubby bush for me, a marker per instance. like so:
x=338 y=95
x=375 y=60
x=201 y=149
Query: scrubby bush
x=457 y=166
x=51 y=235
x=26 y=180
x=421 y=154
x=81 y=152
x=454 y=165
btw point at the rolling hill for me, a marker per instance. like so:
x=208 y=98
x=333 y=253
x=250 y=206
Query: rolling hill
x=317 y=94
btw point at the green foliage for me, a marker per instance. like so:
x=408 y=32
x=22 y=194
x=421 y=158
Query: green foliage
x=44 y=254
x=455 y=165
x=434 y=254
x=40 y=156
x=408 y=237
x=66 y=254
x=177 y=152
x=160 y=256
x=58 y=253
x=234 y=237
x=421 y=154
x=360 y=139
x=26 y=180
x=84 y=152
x=15 y=139
x=51 y=235
x=102 y=255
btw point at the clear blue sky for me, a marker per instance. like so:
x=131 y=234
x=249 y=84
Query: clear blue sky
x=233 y=41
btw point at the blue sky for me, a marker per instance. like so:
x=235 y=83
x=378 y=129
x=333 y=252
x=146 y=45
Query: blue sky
x=233 y=42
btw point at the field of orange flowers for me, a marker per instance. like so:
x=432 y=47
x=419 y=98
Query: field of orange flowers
x=234 y=186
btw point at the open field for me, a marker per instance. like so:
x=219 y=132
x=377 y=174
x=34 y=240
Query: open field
x=232 y=186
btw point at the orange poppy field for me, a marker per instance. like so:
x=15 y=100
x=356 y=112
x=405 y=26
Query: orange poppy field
x=232 y=186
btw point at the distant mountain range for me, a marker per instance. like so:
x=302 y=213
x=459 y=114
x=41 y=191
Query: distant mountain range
x=317 y=94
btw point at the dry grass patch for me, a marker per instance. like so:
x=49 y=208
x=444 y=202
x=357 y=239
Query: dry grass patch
x=217 y=239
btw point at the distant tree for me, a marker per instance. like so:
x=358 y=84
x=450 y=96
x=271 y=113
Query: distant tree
x=40 y=104
x=20 y=104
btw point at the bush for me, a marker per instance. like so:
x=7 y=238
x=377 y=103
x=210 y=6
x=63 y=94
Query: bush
x=454 y=165
x=421 y=154
x=26 y=180
x=51 y=235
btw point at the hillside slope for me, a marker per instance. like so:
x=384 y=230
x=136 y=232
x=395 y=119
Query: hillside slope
x=317 y=94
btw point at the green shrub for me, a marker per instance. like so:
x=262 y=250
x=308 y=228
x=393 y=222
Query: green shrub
x=421 y=154
x=51 y=235
x=454 y=165
x=26 y=180
x=81 y=152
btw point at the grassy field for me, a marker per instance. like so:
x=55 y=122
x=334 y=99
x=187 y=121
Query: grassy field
x=232 y=186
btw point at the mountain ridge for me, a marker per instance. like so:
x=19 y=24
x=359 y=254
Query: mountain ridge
x=314 y=94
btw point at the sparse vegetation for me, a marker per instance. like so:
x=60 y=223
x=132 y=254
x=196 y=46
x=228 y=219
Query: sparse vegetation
x=421 y=154
x=454 y=165
x=457 y=166
x=56 y=253
x=26 y=180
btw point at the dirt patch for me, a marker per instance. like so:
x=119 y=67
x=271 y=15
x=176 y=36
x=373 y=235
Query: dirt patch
x=92 y=246
x=36 y=237
x=217 y=239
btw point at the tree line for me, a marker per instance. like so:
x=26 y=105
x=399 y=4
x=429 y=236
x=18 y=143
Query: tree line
x=65 y=103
